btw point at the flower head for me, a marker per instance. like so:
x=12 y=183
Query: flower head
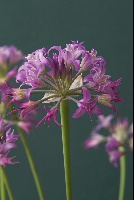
x=60 y=76
x=10 y=55
x=120 y=135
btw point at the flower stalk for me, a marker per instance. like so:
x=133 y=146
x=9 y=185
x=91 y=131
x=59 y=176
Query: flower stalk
x=30 y=159
x=2 y=187
x=6 y=182
x=122 y=175
x=32 y=165
x=64 y=109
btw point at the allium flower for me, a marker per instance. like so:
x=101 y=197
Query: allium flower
x=9 y=55
x=120 y=135
x=64 y=76
x=7 y=142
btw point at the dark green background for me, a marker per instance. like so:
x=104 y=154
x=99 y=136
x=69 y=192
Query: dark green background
x=104 y=25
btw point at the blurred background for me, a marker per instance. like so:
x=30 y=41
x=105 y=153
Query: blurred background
x=104 y=25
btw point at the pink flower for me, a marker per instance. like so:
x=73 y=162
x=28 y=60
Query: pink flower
x=104 y=122
x=26 y=107
x=86 y=106
x=4 y=160
x=51 y=114
x=120 y=134
x=7 y=142
x=26 y=126
x=15 y=94
x=106 y=100
x=10 y=55
x=60 y=76
x=94 y=140
x=112 y=144
x=97 y=78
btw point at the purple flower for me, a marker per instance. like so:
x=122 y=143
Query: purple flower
x=4 y=160
x=112 y=144
x=106 y=100
x=104 y=122
x=26 y=126
x=30 y=74
x=59 y=76
x=113 y=92
x=38 y=56
x=94 y=140
x=10 y=55
x=51 y=114
x=7 y=142
x=86 y=106
x=91 y=60
x=26 y=107
x=120 y=135
x=97 y=78
x=121 y=130
x=16 y=94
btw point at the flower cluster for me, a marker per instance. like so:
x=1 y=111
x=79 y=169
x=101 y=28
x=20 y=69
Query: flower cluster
x=9 y=56
x=7 y=142
x=120 y=135
x=69 y=74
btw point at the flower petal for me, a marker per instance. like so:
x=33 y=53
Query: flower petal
x=79 y=112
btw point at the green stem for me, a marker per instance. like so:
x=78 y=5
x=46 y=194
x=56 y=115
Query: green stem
x=32 y=165
x=6 y=181
x=64 y=109
x=122 y=175
x=3 y=192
